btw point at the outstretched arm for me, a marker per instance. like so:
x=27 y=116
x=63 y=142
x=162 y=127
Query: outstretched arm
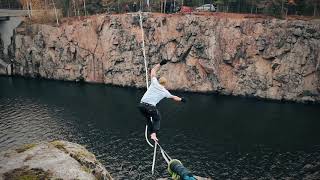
x=176 y=98
x=181 y=99
x=154 y=70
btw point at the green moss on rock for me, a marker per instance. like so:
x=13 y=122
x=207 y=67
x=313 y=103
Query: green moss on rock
x=25 y=148
x=84 y=153
x=85 y=169
x=59 y=145
x=25 y=173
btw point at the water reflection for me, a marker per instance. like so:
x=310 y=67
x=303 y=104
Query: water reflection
x=215 y=136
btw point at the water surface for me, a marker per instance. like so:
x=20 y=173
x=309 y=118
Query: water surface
x=214 y=136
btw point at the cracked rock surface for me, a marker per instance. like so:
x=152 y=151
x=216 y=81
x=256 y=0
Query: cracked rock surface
x=51 y=160
x=265 y=58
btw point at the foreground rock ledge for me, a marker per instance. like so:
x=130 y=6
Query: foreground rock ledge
x=51 y=160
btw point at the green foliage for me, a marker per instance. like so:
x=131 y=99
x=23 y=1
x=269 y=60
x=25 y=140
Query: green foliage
x=25 y=148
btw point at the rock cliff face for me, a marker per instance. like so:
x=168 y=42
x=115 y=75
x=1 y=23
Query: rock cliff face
x=3 y=67
x=54 y=160
x=266 y=58
x=1 y=48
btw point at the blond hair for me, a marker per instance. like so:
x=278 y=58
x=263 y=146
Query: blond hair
x=162 y=81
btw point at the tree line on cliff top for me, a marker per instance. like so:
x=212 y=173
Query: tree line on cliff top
x=279 y=8
x=271 y=7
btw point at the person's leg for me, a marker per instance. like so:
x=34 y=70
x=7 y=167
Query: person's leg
x=155 y=123
x=146 y=113
x=155 y=119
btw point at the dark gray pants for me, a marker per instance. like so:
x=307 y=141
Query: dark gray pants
x=148 y=111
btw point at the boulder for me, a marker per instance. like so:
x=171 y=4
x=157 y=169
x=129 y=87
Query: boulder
x=51 y=160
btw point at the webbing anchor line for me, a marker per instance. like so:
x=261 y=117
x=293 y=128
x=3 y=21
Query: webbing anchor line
x=146 y=71
x=147 y=82
x=165 y=156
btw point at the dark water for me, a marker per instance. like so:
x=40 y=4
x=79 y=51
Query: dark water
x=214 y=136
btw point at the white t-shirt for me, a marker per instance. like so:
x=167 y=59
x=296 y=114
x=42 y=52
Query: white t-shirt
x=155 y=93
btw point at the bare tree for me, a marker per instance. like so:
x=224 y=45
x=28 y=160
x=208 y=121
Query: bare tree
x=30 y=8
x=118 y=1
x=315 y=4
x=84 y=7
x=74 y=8
x=165 y=6
x=55 y=11
x=252 y=3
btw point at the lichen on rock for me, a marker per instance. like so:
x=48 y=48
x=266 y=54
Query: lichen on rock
x=51 y=160
x=25 y=148
x=25 y=173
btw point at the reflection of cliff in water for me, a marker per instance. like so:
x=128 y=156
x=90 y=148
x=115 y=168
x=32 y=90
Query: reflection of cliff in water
x=214 y=136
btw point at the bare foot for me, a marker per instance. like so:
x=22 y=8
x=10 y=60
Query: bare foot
x=154 y=137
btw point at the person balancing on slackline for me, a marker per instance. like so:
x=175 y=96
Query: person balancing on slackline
x=155 y=93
